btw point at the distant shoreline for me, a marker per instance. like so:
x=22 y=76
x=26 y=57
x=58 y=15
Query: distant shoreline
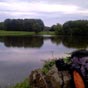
x=23 y=33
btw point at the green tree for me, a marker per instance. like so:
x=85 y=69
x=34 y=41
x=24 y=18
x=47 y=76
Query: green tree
x=52 y=28
x=35 y=25
x=57 y=29
x=78 y=27
x=1 y=26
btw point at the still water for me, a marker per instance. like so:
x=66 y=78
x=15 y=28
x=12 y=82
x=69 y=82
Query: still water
x=20 y=55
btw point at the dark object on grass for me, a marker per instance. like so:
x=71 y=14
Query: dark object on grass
x=61 y=66
x=79 y=53
x=78 y=68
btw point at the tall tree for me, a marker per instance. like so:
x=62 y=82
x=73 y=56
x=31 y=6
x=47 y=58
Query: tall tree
x=35 y=25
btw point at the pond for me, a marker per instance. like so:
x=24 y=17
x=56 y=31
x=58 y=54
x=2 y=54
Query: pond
x=20 y=55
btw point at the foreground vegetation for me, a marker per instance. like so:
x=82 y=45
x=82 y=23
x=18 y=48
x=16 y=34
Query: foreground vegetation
x=47 y=66
x=24 y=84
x=45 y=69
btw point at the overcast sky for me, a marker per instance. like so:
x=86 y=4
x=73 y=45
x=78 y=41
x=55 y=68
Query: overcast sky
x=50 y=11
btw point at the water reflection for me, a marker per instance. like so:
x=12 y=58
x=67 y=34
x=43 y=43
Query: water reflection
x=16 y=63
x=77 y=42
x=22 y=41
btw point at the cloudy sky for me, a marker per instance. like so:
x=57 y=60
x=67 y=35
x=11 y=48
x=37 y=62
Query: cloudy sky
x=50 y=11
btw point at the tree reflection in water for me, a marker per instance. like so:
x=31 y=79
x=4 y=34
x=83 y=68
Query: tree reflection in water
x=77 y=42
x=22 y=41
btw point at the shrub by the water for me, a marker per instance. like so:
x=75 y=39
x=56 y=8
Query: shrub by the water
x=47 y=66
x=45 y=69
x=24 y=84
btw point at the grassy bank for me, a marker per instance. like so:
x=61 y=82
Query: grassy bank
x=15 y=33
x=45 y=69
x=25 y=84
x=47 y=33
x=23 y=33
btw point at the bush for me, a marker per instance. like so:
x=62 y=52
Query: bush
x=47 y=66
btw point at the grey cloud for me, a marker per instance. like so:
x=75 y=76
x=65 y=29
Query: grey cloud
x=4 y=16
x=2 y=0
x=49 y=21
x=49 y=18
x=81 y=3
x=63 y=19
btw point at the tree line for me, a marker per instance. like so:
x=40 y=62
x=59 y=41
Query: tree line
x=31 y=25
x=77 y=27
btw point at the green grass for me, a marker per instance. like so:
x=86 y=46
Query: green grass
x=49 y=63
x=47 y=66
x=22 y=33
x=24 y=84
x=15 y=33
x=45 y=69
x=47 y=33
